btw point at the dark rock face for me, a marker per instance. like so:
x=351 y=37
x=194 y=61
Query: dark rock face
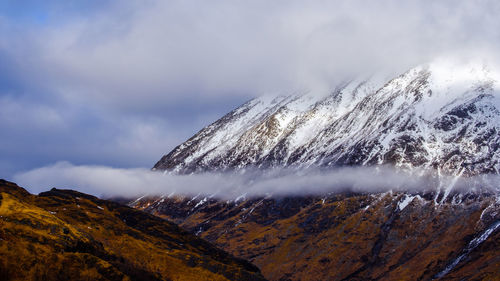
x=389 y=236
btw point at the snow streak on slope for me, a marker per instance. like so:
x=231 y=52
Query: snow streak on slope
x=441 y=115
x=471 y=246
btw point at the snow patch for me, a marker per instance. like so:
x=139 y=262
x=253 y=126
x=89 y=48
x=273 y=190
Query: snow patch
x=406 y=200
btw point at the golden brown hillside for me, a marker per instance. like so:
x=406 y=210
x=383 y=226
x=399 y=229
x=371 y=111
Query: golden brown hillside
x=67 y=235
x=387 y=236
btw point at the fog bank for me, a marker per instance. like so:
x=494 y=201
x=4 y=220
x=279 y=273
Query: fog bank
x=109 y=182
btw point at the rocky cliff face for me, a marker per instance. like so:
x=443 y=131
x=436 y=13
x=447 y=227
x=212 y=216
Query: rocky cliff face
x=437 y=116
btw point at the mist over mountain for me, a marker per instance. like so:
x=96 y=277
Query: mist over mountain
x=433 y=127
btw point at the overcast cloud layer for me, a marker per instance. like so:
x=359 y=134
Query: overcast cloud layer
x=120 y=83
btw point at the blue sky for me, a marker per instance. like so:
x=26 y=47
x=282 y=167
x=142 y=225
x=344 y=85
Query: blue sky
x=40 y=12
x=120 y=83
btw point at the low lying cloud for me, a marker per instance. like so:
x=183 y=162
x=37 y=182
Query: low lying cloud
x=108 y=182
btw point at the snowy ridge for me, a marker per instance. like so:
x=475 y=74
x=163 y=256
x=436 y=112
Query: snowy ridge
x=441 y=115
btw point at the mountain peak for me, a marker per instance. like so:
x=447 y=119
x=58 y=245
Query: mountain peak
x=439 y=115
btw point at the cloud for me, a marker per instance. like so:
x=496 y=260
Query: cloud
x=128 y=55
x=227 y=48
x=132 y=183
x=40 y=116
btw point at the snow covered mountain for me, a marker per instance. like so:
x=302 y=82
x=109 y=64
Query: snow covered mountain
x=440 y=115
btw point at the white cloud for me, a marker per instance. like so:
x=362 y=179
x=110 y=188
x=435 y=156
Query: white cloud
x=138 y=53
x=107 y=181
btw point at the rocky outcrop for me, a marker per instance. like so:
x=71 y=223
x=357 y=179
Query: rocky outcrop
x=385 y=236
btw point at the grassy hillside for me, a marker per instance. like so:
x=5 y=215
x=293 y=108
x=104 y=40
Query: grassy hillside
x=67 y=235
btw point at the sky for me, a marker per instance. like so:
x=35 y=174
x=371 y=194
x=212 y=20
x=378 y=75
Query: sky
x=120 y=83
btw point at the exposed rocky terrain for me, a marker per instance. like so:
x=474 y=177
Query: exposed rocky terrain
x=67 y=235
x=386 y=236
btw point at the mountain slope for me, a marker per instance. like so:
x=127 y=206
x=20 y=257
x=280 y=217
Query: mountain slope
x=387 y=236
x=434 y=116
x=67 y=235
